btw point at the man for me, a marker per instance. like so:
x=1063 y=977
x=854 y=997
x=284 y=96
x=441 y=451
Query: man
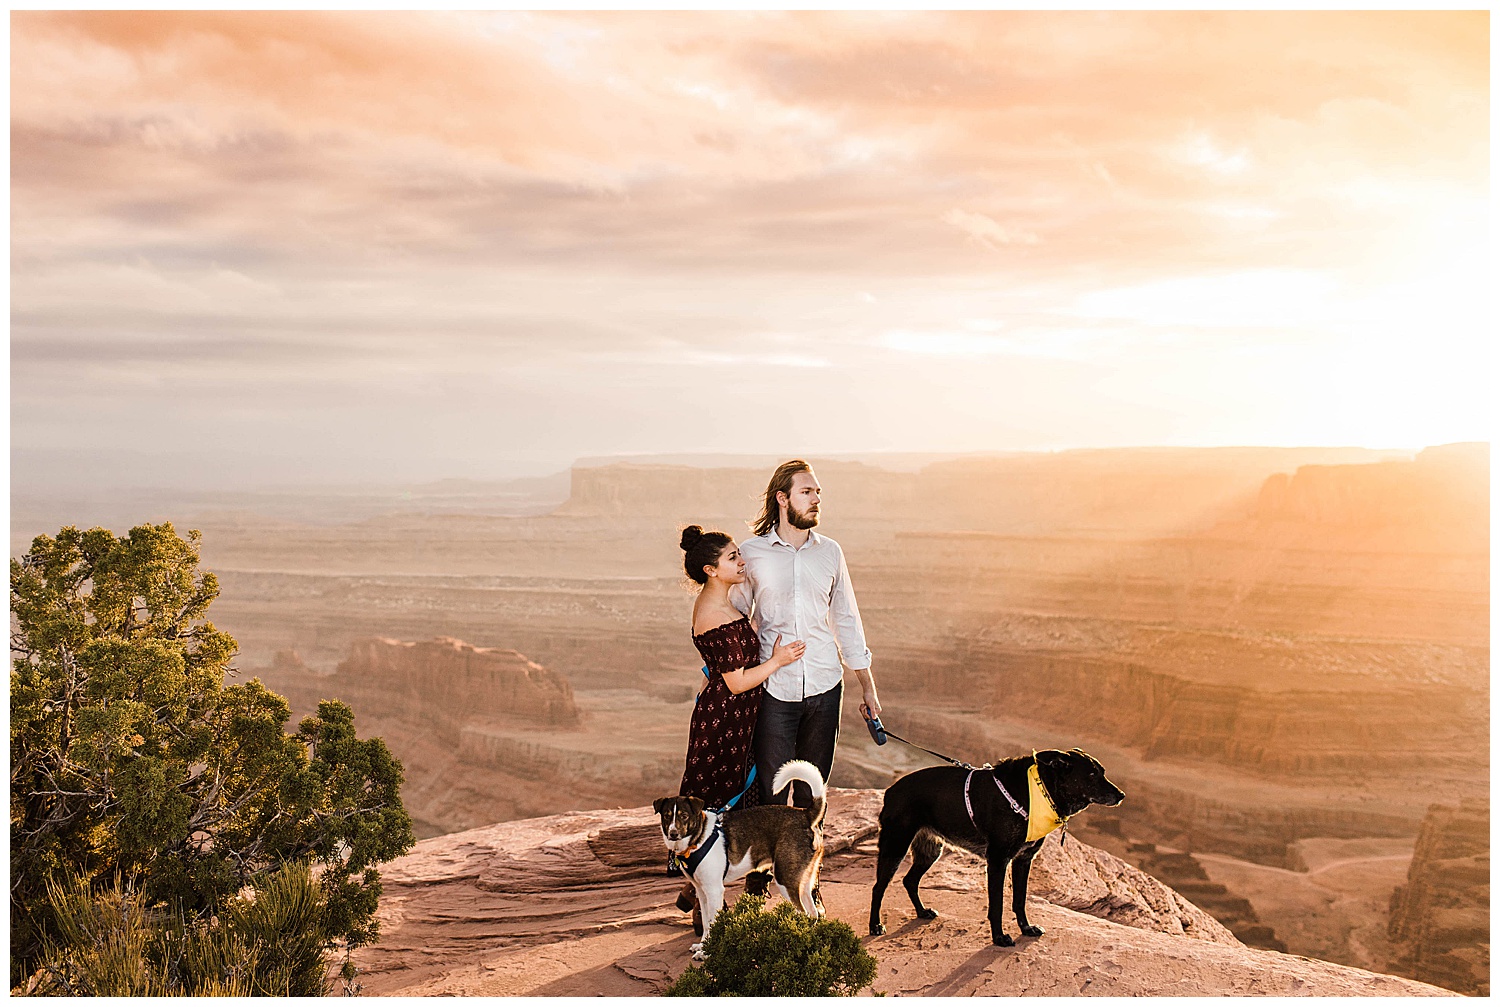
x=800 y=585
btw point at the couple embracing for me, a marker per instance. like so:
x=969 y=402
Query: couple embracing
x=776 y=624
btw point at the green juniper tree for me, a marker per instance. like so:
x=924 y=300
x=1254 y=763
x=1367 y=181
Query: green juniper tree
x=131 y=759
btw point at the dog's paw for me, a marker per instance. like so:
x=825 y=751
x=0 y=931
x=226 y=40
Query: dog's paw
x=698 y=954
x=1032 y=930
x=1004 y=940
x=926 y=914
x=878 y=930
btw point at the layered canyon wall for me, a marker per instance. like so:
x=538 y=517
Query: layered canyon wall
x=1443 y=491
x=1440 y=919
x=1270 y=727
x=428 y=700
x=454 y=680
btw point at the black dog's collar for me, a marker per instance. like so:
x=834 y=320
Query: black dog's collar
x=1044 y=822
x=1045 y=815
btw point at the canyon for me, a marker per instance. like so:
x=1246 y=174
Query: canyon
x=1280 y=654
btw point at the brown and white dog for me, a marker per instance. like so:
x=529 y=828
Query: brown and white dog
x=785 y=840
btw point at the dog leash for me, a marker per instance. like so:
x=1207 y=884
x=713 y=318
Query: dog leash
x=880 y=733
x=736 y=798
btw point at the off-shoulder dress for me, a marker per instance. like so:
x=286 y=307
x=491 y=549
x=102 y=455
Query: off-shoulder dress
x=720 y=741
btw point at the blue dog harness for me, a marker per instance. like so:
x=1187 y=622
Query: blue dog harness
x=690 y=865
x=692 y=860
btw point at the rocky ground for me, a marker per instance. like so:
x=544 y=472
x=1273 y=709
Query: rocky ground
x=577 y=904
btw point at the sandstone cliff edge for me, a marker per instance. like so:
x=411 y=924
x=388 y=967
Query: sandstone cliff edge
x=577 y=904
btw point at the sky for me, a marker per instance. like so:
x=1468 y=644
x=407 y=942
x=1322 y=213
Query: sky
x=278 y=248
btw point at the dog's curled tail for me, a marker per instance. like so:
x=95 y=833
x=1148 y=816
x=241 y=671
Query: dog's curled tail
x=799 y=769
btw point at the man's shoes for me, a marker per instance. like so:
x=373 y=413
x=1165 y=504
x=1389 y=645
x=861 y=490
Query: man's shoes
x=687 y=899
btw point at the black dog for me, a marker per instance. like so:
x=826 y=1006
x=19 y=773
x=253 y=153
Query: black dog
x=968 y=810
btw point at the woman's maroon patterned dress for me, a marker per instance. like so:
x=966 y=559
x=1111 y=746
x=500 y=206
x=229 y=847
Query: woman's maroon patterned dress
x=720 y=751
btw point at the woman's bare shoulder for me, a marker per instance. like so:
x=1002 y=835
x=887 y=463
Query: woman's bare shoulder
x=710 y=618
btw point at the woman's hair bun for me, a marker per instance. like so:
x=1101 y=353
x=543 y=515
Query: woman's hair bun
x=703 y=549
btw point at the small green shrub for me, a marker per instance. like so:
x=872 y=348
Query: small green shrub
x=113 y=943
x=777 y=954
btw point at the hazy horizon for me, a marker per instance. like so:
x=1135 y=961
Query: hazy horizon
x=272 y=249
x=898 y=461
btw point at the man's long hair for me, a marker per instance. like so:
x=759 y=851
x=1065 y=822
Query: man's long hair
x=781 y=482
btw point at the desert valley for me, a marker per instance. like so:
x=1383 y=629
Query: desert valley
x=1280 y=654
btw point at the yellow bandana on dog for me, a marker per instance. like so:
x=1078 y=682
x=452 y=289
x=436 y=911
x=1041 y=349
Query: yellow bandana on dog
x=1041 y=816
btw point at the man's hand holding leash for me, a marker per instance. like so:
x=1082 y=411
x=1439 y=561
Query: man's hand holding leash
x=870 y=708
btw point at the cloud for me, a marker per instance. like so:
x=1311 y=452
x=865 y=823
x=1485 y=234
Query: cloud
x=247 y=205
x=1266 y=298
x=1047 y=341
x=945 y=344
x=830 y=140
x=1200 y=150
x=986 y=231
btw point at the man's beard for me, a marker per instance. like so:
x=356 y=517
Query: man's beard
x=801 y=520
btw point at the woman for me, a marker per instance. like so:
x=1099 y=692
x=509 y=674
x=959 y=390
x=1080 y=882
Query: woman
x=721 y=739
x=720 y=752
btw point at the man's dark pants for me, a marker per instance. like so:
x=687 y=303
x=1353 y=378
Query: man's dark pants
x=798 y=730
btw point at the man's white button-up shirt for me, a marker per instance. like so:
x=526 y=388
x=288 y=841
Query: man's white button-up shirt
x=802 y=594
